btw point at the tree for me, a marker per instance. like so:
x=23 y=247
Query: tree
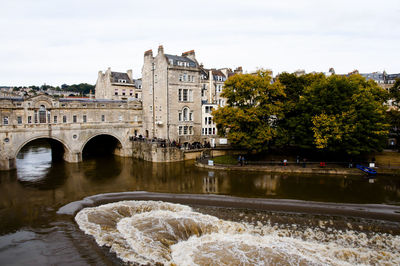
x=346 y=114
x=254 y=105
x=393 y=115
x=295 y=128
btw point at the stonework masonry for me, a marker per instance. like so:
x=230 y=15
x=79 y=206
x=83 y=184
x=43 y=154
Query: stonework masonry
x=71 y=122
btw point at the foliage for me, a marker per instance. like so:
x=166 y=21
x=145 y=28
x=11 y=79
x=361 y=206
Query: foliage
x=341 y=114
x=394 y=93
x=253 y=107
x=82 y=88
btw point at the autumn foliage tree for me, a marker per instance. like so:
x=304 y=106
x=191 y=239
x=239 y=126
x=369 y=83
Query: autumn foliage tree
x=332 y=114
x=254 y=104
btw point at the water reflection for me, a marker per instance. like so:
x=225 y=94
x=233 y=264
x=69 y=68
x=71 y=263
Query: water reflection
x=210 y=183
x=40 y=183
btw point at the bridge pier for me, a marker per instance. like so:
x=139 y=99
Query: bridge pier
x=7 y=164
x=72 y=157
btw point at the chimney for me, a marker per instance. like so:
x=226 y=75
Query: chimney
x=129 y=72
x=190 y=54
x=160 y=49
x=148 y=53
x=239 y=70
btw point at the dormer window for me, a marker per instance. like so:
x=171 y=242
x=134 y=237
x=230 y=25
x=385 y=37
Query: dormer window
x=122 y=80
x=171 y=61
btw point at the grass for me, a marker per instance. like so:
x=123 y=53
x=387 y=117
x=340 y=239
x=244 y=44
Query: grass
x=226 y=159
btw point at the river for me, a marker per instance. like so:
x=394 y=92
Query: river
x=112 y=210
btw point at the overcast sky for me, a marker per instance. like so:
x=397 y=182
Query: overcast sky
x=57 y=41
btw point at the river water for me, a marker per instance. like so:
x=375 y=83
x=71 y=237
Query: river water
x=110 y=211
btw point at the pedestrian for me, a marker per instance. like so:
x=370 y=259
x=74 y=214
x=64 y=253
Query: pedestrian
x=284 y=162
x=239 y=160
x=297 y=159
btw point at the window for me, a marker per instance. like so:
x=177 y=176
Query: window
x=5 y=120
x=136 y=95
x=190 y=130
x=185 y=130
x=84 y=118
x=122 y=80
x=120 y=118
x=42 y=114
x=29 y=119
x=180 y=77
x=123 y=92
x=116 y=92
x=131 y=93
x=19 y=119
x=64 y=119
x=55 y=119
x=180 y=116
x=185 y=114
x=35 y=116
x=213 y=130
x=151 y=108
x=185 y=95
x=209 y=109
x=209 y=131
x=74 y=119
x=191 y=116
x=103 y=118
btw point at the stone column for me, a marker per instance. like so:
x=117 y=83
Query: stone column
x=72 y=157
x=7 y=164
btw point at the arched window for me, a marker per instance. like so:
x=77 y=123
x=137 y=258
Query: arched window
x=42 y=114
x=185 y=114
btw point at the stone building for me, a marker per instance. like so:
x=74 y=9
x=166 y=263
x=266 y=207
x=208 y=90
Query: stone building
x=171 y=96
x=212 y=82
x=117 y=86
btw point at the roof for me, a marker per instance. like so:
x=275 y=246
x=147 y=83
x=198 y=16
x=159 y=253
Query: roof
x=116 y=76
x=91 y=100
x=216 y=72
x=176 y=58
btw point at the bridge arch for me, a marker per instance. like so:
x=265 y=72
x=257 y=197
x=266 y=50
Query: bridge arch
x=60 y=149
x=114 y=144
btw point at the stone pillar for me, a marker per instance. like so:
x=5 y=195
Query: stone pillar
x=7 y=164
x=72 y=157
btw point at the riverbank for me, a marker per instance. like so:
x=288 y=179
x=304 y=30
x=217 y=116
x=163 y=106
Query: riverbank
x=293 y=169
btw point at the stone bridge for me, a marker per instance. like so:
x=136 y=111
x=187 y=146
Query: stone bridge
x=67 y=123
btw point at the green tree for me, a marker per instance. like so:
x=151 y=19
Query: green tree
x=254 y=105
x=295 y=129
x=346 y=114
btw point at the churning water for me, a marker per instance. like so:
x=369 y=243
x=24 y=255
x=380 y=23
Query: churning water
x=155 y=232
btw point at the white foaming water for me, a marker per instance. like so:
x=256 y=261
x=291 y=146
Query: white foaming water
x=149 y=232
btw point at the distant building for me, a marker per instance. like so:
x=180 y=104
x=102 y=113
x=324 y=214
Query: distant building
x=117 y=86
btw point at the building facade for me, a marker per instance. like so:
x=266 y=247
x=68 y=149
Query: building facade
x=117 y=86
x=171 y=96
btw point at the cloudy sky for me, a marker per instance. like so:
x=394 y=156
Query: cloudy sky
x=58 y=41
